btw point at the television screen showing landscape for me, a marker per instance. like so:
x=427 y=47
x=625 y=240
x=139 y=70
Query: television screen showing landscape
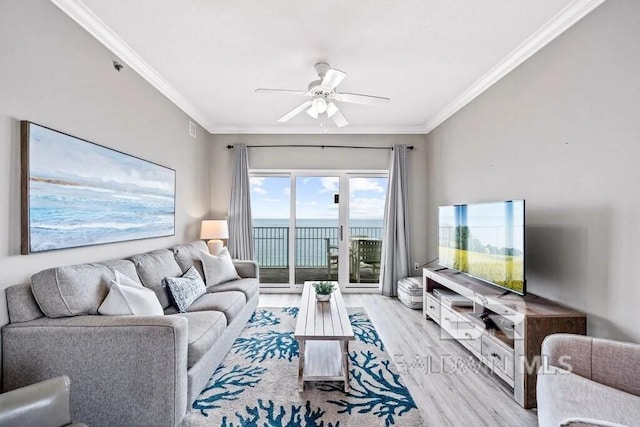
x=80 y=193
x=484 y=240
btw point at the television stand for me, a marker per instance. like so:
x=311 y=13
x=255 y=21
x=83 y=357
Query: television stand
x=503 y=330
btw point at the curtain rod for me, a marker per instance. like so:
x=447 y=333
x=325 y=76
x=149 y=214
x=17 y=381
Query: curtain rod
x=320 y=146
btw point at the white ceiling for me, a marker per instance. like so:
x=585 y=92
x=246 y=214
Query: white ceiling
x=431 y=57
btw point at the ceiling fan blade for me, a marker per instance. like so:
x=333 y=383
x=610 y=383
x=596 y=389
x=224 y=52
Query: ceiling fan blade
x=355 y=98
x=332 y=79
x=339 y=119
x=300 y=108
x=292 y=92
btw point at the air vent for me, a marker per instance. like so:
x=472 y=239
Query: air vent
x=192 y=129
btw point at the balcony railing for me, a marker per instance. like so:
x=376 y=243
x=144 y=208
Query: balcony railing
x=312 y=244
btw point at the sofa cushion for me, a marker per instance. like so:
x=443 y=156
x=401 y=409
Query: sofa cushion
x=218 y=268
x=22 y=306
x=205 y=327
x=188 y=256
x=71 y=290
x=563 y=396
x=249 y=287
x=125 y=267
x=186 y=289
x=247 y=269
x=128 y=297
x=154 y=266
x=230 y=303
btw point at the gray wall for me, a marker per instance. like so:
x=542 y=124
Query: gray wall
x=327 y=159
x=563 y=132
x=54 y=73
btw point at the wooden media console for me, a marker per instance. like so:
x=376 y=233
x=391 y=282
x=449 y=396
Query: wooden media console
x=504 y=331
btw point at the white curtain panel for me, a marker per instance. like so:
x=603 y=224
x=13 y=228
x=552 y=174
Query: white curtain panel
x=240 y=229
x=395 y=248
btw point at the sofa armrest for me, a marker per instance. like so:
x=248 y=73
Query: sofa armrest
x=43 y=403
x=612 y=363
x=247 y=269
x=137 y=364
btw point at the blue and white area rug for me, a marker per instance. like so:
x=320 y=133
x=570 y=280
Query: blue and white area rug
x=256 y=385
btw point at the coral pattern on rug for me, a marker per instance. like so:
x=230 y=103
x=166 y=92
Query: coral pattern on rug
x=256 y=385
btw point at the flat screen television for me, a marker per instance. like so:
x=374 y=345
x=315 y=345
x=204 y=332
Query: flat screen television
x=485 y=241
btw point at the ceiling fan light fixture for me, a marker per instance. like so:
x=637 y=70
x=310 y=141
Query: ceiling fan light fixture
x=321 y=95
x=319 y=105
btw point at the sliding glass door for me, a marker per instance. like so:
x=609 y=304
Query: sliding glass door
x=271 y=210
x=314 y=225
x=367 y=195
x=317 y=225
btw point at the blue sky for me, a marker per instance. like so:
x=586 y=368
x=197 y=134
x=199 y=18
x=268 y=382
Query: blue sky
x=270 y=197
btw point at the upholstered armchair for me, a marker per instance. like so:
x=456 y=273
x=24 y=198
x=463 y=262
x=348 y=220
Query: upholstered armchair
x=44 y=404
x=586 y=381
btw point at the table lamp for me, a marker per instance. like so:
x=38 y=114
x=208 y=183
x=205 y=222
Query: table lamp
x=214 y=230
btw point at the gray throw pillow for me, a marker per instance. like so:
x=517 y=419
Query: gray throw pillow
x=186 y=289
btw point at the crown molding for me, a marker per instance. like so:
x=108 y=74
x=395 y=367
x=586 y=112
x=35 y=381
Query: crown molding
x=568 y=16
x=317 y=130
x=562 y=21
x=95 y=26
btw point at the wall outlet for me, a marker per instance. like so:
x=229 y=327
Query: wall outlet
x=416 y=265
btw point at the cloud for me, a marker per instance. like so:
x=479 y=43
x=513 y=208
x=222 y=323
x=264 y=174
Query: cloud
x=366 y=208
x=256 y=183
x=330 y=184
x=357 y=185
x=287 y=191
x=267 y=200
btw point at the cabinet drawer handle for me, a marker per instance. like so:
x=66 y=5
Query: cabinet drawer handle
x=467 y=334
x=447 y=319
x=496 y=355
x=432 y=307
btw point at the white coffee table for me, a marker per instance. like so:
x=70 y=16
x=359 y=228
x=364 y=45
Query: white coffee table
x=323 y=331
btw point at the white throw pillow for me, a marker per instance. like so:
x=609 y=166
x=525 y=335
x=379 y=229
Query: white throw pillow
x=127 y=297
x=218 y=269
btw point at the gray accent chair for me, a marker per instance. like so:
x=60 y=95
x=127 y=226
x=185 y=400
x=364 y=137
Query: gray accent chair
x=586 y=381
x=125 y=370
x=44 y=404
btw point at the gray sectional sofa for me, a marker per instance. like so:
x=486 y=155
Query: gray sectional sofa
x=588 y=382
x=125 y=370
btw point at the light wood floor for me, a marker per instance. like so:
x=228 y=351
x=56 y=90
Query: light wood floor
x=455 y=390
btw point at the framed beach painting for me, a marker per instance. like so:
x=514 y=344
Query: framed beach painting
x=77 y=193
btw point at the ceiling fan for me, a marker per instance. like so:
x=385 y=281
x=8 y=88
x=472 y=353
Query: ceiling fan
x=324 y=98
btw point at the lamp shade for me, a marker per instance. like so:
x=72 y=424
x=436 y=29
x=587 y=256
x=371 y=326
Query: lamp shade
x=214 y=229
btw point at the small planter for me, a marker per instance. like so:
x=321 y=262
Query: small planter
x=323 y=291
x=323 y=298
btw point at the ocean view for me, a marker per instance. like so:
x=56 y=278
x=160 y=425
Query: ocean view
x=315 y=238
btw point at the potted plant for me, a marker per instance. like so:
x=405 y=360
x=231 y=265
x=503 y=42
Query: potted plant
x=323 y=290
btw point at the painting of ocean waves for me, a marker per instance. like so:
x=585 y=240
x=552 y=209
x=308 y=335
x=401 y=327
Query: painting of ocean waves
x=84 y=194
